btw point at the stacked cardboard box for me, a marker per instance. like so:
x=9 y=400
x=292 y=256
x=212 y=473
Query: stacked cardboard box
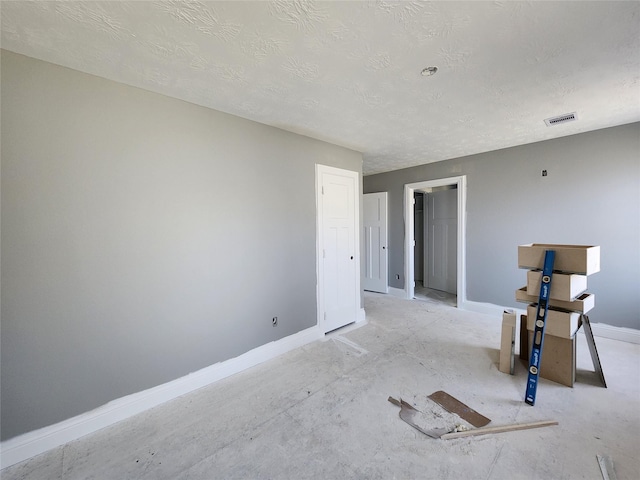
x=568 y=300
x=507 y=342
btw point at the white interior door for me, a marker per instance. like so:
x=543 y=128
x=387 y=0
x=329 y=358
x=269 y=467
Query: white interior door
x=338 y=265
x=442 y=240
x=375 y=242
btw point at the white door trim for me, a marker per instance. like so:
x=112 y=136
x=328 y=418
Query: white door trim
x=409 y=240
x=320 y=294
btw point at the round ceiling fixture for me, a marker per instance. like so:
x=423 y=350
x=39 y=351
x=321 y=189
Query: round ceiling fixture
x=427 y=72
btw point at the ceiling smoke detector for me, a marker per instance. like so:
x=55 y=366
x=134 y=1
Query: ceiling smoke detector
x=567 y=117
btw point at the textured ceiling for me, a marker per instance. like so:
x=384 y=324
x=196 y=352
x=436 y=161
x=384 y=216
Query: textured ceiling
x=349 y=72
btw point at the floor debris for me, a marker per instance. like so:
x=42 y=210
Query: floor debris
x=606 y=467
x=453 y=405
x=408 y=414
x=499 y=429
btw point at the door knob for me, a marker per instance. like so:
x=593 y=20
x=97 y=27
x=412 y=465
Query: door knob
x=351 y=257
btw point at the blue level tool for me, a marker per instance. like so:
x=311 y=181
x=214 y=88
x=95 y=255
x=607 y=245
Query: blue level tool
x=538 y=333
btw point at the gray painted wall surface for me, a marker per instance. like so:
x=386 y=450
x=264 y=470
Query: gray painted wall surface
x=591 y=196
x=143 y=238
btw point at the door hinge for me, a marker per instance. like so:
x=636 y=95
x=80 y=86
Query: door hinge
x=322 y=188
x=414 y=201
x=324 y=253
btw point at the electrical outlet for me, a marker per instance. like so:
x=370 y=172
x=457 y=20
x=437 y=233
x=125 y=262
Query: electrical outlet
x=274 y=321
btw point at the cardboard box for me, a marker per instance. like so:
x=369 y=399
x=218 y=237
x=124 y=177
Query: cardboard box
x=564 y=286
x=583 y=303
x=508 y=342
x=581 y=259
x=559 y=323
x=558 y=361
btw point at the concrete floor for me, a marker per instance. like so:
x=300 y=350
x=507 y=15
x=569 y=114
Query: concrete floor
x=432 y=295
x=321 y=411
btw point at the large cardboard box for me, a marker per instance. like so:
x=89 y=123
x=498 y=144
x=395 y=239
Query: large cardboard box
x=564 y=286
x=582 y=259
x=583 y=303
x=558 y=362
x=507 y=342
x=559 y=323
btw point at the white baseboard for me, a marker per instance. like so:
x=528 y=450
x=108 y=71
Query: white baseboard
x=362 y=316
x=484 y=308
x=397 y=292
x=602 y=330
x=25 y=446
x=623 y=334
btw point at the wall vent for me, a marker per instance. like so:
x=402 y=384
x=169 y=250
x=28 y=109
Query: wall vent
x=567 y=117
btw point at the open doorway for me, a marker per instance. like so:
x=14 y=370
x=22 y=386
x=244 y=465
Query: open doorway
x=436 y=249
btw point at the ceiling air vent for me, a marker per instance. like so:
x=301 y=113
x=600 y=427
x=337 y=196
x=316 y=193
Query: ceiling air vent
x=567 y=117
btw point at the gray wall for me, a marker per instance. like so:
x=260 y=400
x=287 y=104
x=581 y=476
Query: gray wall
x=590 y=196
x=143 y=238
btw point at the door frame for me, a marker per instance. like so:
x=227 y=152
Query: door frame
x=320 y=293
x=409 y=239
